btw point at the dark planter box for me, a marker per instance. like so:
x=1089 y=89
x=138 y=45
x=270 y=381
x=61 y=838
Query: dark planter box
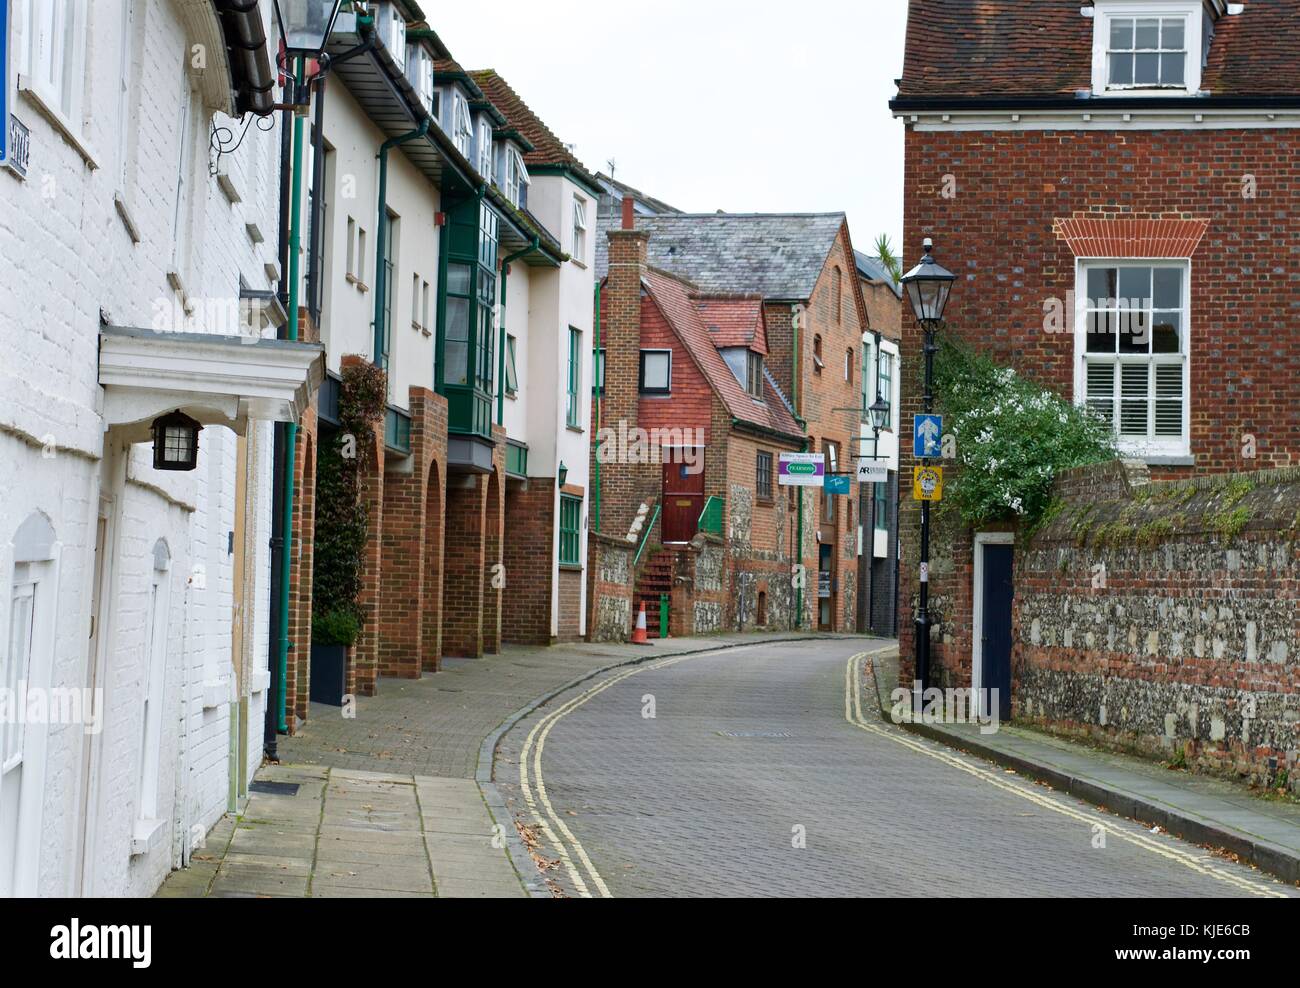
x=329 y=669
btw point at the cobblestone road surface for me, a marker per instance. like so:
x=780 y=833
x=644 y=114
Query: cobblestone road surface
x=750 y=753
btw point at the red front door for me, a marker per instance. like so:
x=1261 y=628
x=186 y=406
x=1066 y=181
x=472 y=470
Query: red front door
x=683 y=494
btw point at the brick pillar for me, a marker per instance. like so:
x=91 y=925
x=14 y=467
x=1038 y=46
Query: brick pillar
x=435 y=498
x=402 y=577
x=464 y=566
x=527 y=555
x=494 y=521
x=298 y=679
x=620 y=335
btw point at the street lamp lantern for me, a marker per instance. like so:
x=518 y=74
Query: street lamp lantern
x=175 y=442
x=306 y=25
x=928 y=286
x=879 y=411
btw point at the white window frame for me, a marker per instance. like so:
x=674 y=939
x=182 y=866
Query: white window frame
x=419 y=69
x=1153 y=448
x=516 y=176
x=43 y=60
x=462 y=125
x=1108 y=10
x=579 y=249
x=485 y=148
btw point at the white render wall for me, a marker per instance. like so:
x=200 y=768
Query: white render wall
x=348 y=308
x=70 y=260
x=556 y=301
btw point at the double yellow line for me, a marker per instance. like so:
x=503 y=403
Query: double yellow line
x=588 y=883
x=1201 y=864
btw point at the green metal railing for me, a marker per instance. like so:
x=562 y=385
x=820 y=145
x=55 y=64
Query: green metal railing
x=645 y=539
x=711 y=517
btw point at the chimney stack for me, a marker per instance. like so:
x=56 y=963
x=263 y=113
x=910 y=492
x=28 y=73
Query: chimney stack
x=629 y=213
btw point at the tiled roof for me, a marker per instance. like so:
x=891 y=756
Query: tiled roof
x=547 y=148
x=681 y=307
x=449 y=67
x=1043 y=48
x=734 y=321
x=775 y=255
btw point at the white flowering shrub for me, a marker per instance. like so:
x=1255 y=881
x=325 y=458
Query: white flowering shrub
x=1012 y=437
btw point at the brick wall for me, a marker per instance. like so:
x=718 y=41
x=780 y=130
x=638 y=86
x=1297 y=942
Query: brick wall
x=997 y=231
x=1163 y=618
x=529 y=561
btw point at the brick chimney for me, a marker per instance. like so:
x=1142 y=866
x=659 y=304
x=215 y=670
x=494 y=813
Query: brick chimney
x=620 y=335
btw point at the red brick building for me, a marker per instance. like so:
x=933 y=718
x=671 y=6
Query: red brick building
x=1115 y=185
x=740 y=334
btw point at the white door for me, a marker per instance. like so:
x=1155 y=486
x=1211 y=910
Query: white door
x=15 y=672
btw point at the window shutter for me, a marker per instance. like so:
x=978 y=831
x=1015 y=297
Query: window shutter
x=1169 y=399
x=1101 y=390
x=1134 y=399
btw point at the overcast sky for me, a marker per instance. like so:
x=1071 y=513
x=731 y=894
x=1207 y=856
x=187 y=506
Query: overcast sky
x=741 y=105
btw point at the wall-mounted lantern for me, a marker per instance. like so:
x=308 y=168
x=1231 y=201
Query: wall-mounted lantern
x=175 y=442
x=563 y=473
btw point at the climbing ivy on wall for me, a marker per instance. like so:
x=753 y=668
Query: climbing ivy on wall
x=1012 y=437
x=342 y=521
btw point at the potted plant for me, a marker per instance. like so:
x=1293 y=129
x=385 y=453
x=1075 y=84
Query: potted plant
x=332 y=636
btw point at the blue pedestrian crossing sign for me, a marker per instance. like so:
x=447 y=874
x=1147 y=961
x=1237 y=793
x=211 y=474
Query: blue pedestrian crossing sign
x=927 y=436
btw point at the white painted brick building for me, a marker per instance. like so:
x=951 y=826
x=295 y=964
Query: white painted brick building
x=121 y=223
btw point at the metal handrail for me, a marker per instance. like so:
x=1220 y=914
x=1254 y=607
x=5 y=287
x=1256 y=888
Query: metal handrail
x=645 y=539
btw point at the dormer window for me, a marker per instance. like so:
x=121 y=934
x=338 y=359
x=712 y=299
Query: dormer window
x=1148 y=47
x=754 y=374
x=517 y=181
x=462 y=127
x=485 y=148
x=419 y=69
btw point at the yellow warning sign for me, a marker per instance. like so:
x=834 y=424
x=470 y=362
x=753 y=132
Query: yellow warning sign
x=927 y=483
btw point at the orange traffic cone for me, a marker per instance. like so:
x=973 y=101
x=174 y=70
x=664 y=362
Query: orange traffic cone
x=638 y=633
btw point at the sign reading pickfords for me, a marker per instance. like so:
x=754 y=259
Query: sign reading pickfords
x=927 y=436
x=873 y=472
x=927 y=483
x=801 y=469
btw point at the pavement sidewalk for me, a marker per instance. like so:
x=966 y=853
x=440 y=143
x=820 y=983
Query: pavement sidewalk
x=1198 y=808
x=400 y=799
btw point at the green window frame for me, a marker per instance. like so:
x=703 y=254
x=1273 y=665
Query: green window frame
x=570 y=530
x=573 y=414
x=598 y=377
x=512 y=373
x=882 y=508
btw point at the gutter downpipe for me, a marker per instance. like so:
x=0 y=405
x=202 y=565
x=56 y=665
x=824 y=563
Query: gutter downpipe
x=501 y=356
x=381 y=226
x=796 y=315
x=599 y=399
x=291 y=430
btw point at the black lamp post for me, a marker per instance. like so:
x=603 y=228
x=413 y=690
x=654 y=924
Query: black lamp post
x=928 y=286
x=305 y=27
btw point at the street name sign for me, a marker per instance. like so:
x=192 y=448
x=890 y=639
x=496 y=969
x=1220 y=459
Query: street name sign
x=801 y=469
x=927 y=436
x=927 y=483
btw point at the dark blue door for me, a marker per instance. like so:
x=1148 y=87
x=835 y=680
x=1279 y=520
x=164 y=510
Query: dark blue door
x=995 y=640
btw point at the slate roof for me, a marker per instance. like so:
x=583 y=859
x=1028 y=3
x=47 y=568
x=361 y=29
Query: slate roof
x=547 y=148
x=1043 y=48
x=775 y=255
x=681 y=306
x=873 y=270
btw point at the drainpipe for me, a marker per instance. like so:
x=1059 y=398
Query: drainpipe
x=291 y=430
x=381 y=226
x=795 y=316
x=599 y=397
x=501 y=357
